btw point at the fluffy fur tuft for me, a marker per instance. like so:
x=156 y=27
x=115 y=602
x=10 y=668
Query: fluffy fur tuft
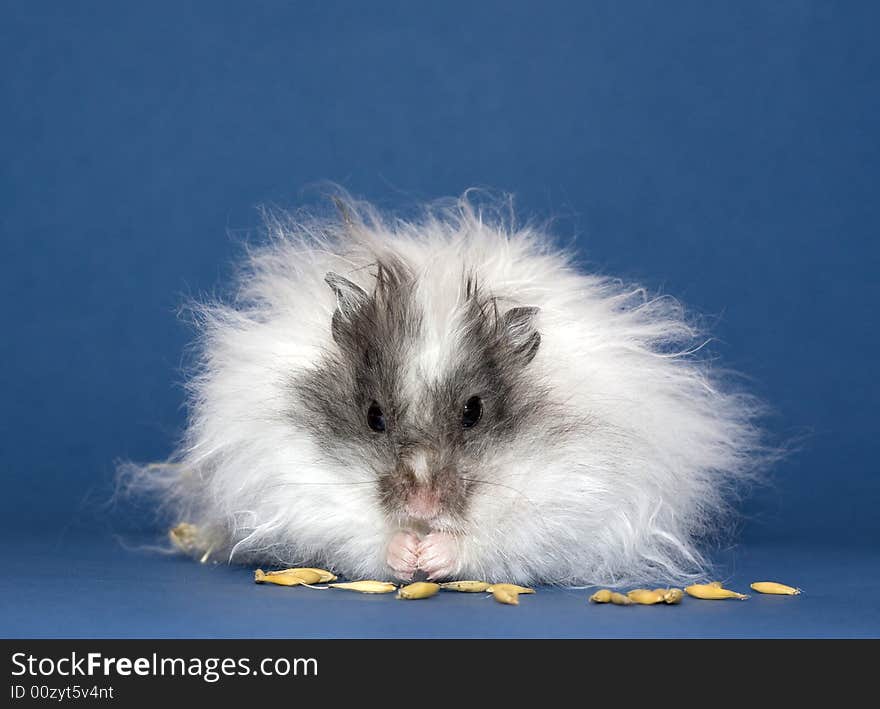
x=607 y=449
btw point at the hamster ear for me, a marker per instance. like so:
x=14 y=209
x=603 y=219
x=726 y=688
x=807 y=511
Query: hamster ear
x=350 y=298
x=519 y=333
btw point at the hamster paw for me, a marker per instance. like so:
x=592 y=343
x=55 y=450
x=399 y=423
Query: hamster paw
x=402 y=555
x=438 y=556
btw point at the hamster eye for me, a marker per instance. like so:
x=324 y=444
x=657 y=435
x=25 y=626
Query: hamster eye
x=375 y=418
x=473 y=410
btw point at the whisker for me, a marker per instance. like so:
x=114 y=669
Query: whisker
x=489 y=482
x=291 y=484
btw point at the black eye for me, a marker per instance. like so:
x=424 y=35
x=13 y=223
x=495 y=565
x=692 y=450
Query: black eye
x=375 y=418
x=473 y=409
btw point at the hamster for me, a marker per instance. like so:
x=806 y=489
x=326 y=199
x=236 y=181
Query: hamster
x=451 y=397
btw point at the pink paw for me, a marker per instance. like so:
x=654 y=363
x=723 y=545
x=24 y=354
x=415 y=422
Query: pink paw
x=438 y=556
x=403 y=556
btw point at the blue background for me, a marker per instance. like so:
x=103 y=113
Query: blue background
x=726 y=153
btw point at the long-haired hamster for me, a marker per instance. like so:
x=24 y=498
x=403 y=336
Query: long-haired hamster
x=450 y=396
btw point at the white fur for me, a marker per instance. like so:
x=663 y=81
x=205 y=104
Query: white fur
x=626 y=501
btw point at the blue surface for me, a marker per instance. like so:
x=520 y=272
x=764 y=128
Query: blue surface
x=726 y=153
x=90 y=589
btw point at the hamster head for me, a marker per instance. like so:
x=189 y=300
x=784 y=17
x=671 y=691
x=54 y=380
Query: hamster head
x=424 y=400
x=451 y=395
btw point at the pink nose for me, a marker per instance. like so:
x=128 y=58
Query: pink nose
x=423 y=503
